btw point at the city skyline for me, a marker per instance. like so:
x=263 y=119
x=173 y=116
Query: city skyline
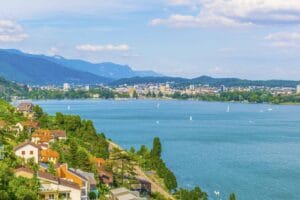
x=246 y=39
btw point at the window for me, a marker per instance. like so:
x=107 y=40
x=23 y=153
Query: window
x=23 y=152
x=51 y=196
x=31 y=152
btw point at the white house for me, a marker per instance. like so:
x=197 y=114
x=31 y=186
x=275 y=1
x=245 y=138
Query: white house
x=27 y=150
x=52 y=187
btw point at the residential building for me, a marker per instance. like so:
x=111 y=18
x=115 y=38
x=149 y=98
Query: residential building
x=66 y=87
x=298 y=89
x=49 y=155
x=52 y=187
x=27 y=150
x=91 y=180
x=59 y=134
x=30 y=126
x=71 y=175
x=44 y=136
x=41 y=136
x=25 y=107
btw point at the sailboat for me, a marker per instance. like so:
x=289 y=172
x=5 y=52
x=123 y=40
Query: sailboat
x=69 y=107
x=228 y=109
x=191 y=118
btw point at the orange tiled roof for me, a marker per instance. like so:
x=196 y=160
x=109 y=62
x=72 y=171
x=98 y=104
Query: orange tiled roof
x=32 y=124
x=58 y=133
x=49 y=153
x=48 y=176
x=43 y=134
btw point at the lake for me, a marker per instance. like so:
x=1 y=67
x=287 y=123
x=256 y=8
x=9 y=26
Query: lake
x=250 y=149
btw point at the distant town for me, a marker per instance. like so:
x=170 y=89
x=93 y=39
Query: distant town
x=165 y=90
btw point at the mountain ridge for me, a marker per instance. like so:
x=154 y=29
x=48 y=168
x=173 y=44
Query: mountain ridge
x=206 y=80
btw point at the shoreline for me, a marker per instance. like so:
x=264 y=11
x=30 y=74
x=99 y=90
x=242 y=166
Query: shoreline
x=159 y=99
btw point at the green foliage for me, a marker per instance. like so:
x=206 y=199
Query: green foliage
x=71 y=94
x=92 y=196
x=122 y=167
x=8 y=113
x=232 y=196
x=9 y=89
x=194 y=194
x=83 y=161
x=51 y=168
x=151 y=160
x=156 y=150
x=18 y=188
x=157 y=196
x=38 y=111
x=84 y=134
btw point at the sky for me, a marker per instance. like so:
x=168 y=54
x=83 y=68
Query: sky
x=251 y=39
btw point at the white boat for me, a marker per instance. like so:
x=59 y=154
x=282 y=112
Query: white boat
x=69 y=107
x=228 y=109
x=191 y=118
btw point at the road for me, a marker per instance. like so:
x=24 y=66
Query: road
x=155 y=187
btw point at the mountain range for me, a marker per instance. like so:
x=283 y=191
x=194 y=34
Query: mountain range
x=42 y=70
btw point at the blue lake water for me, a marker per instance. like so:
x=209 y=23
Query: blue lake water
x=252 y=150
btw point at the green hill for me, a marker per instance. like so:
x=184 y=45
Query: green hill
x=8 y=89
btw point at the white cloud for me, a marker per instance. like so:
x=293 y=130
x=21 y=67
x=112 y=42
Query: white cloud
x=284 y=39
x=11 y=31
x=53 y=51
x=183 y=2
x=108 y=47
x=236 y=13
x=189 y=21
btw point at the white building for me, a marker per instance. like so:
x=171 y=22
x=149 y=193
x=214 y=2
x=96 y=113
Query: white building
x=298 y=89
x=52 y=187
x=66 y=86
x=27 y=150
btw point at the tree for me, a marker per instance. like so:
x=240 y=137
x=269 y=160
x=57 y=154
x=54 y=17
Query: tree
x=59 y=118
x=156 y=149
x=232 y=196
x=22 y=188
x=122 y=166
x=170 y=180
x=38 y=111
x=92 y=196
x=83 y=160
x=72 y=156
x=51 y=169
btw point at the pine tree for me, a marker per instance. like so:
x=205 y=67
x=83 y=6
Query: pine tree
x=156 y=149
x=232 y=196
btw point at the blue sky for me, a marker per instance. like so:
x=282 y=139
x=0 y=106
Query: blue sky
x=253 y=39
